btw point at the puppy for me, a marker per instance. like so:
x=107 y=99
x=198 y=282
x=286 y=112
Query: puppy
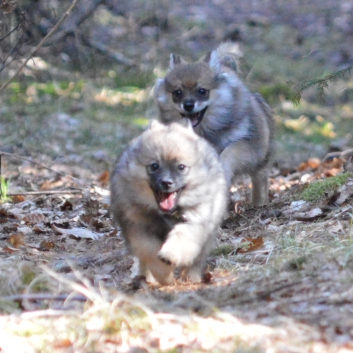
x=169 y=195
x=221 y=109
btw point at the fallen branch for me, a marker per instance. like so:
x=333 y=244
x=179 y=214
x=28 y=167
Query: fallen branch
x=43 y=166
x=33 y=51
x=40 y=296
x=76 y=21
x=46 y=192
x=341 y=154
x=118 y=57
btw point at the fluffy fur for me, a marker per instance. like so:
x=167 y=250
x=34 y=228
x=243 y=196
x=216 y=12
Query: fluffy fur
x=169 y=194
x=221 y=108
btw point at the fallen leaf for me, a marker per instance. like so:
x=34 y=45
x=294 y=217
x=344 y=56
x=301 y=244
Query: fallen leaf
x=104 y=178
x=309 y=215
x=89 y=221
x=335 y=163
x=39 y=228
x=63 y=343
x=34 y=218
x=16 y=240
x=294 y=207
x=18 y=198
x=9 y=249
x=91 y=207
x=238 y=207
x=312 y=163
x=46 y=245
x=207 y=277
x=250 y=244
x=78 y=232
x=10 y=228
x=337 y=228
x=343 y=193
x=66 y=206
x=331 y=172
x=25 y=230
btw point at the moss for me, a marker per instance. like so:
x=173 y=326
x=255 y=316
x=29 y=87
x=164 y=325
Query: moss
x=318 y=189
x=296 y=264
x=224 y=250
x=271 y=93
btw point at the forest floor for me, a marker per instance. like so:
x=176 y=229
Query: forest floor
x=279 y=280
x=280 y=277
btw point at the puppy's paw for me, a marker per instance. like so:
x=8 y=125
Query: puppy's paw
x=164 y=260
x=179 y=251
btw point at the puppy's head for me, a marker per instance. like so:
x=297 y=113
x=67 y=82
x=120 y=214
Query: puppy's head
x=169 y=154
x=188 y=87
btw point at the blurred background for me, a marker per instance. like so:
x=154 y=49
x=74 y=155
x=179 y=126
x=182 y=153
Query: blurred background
x=87 y=91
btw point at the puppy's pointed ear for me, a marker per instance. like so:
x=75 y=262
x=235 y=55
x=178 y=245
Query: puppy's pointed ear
x=213 y=60
x=176 y=60
x=186 y=123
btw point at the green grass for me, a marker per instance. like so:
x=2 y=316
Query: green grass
x=4 y=187
x=317 y=190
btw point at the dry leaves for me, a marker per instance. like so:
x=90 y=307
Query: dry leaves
x=16 y=240
x=250 y=244
x=77 y=232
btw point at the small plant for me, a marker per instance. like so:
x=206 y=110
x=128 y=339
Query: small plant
x=4 y=187
x=318 y=189
x=223 y=250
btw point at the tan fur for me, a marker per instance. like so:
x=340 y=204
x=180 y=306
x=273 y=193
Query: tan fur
x=160 y=240
x=236 y=122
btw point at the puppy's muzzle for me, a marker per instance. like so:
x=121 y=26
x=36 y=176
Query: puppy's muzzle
x=189 y=105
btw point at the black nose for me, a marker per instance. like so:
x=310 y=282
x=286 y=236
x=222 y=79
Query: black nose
x=189 y=106
x=166 y=184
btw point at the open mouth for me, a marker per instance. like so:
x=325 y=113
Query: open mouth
x=167 y=201
x=195 y=118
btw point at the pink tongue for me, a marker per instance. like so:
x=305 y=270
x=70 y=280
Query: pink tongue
x=194 y=119
x=168 y=201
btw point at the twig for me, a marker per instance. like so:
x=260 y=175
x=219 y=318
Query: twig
x=47 y=192
x=259 y=296
x=33 y=51
x=118 y=57
x=40 y=296
x=341 y=154
x=76 y=21
x=0 y=179
x=42 y=166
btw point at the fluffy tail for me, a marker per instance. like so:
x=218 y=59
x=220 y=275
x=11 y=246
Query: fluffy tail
x=230 y=55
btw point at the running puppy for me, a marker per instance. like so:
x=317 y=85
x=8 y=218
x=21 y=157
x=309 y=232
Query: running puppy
x=221 y=108
x=169 y=195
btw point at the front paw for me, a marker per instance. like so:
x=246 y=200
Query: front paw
x=178 y=252
x=164 y=259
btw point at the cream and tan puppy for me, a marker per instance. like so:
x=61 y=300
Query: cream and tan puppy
x=169 y=194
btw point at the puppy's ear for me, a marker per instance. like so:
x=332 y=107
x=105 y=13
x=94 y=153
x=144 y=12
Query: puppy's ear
x=213 y=60
x=176 y=60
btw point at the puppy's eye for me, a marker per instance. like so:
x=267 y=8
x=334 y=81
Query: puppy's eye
x=181 y=167
x=203 y=92
x=177 y=93
x=153 y=167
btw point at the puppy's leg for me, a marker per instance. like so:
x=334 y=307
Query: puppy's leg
x=183 y=245
x=260 y=187
x=194 y=272
x=145 y=248
x=239 y=158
